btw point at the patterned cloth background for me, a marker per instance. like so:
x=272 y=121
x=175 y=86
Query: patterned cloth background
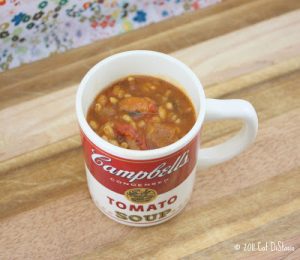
x=33 y=29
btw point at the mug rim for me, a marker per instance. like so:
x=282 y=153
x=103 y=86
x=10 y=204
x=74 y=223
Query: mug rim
x=139 y=154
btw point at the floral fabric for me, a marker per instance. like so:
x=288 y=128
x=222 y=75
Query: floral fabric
x=31 y=30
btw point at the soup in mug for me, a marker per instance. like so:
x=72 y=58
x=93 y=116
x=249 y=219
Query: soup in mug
x=141 y=113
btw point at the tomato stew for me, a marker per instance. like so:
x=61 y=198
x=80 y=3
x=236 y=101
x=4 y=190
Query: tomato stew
x=141 y=113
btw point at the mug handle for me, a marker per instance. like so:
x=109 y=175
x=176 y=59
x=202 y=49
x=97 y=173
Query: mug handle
x=229 y=109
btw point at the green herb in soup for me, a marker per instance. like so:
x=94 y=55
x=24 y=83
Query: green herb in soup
x=141 y=113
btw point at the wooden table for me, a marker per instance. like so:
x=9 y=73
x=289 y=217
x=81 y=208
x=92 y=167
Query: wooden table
x=239 y=49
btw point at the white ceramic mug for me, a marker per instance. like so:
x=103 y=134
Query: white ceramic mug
x=144 y=188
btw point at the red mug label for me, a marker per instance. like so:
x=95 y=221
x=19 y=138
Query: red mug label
x=122 y=175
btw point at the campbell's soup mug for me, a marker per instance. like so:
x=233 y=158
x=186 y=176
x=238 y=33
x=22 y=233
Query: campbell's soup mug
x=144 y=188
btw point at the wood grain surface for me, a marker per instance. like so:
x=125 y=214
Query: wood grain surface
x=239 y=49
